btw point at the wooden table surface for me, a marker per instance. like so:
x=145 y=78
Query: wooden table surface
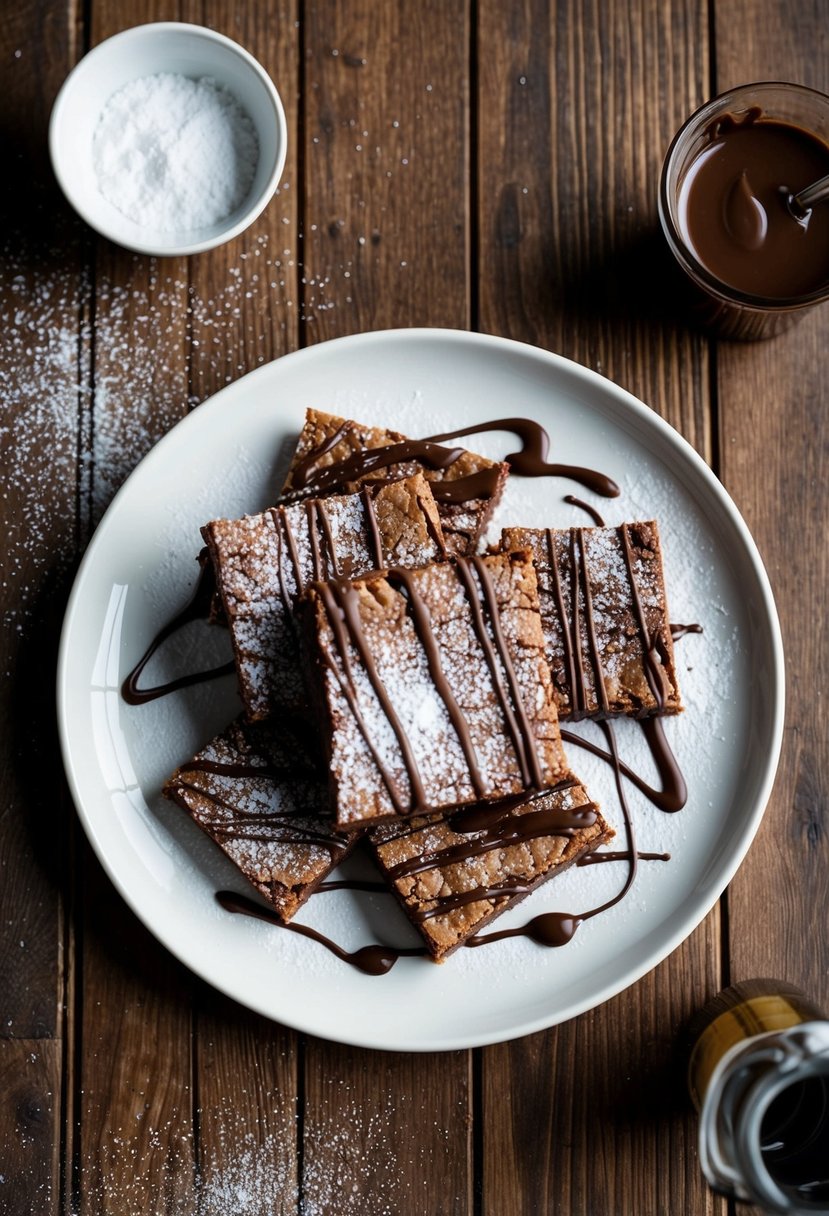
x=479 y=165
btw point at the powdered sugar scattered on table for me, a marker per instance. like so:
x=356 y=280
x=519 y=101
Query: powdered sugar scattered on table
x=87 y=399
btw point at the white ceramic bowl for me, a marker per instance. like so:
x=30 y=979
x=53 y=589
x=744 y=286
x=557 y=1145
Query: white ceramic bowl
x=146 y=50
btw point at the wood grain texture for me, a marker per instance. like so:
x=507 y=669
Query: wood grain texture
x=248 y=1112
x=133 y=1103
x=577 y=104
x=773 y=400
x=386 y=165
x=30 y=1094
x=39 y=342
x=386 y=1133
x=593 y=1116
x=40 y=306
x=245 y=298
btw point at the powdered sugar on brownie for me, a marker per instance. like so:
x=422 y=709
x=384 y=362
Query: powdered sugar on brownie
x=256 y=792
x=605 y=617
x=452 y=877
x=263 y=562
x=429 y=685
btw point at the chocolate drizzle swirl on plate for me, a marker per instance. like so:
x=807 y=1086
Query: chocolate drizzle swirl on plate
x=196 y=609
x=308 y=476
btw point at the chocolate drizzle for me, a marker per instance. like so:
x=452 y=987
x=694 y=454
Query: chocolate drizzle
x=303 y=465
x=495 y=826
x=419 y=612
x=341 y=602
x=557 y=928
x=530 y=461
x=604 y=614
x=681 y=631
x=197 y=608
x=502 y=829
x=580 y=573
x=376 y=546
x=572 y=651
x=512 y=705
x=585 y=506
x=654 y=669
x=296 y=827
x=326 y=558
x=366 y=462
x=342 y=606
x=674 y=793
x=374 y=959
x=597 y=858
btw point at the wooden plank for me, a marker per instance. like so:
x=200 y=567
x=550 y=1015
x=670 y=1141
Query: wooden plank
x=247 y=1112
x=30 y=1089
x=594 y=1115
x=245 y=297
x=577 y=105
x=385 y=237
x=132 y=1099
x=133 y=1105
x=244 y=310
x=386 y=1134
x=40 y=341
x=386 y=166
x=773 y=401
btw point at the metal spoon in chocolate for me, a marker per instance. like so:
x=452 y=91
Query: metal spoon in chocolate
x=800 y=204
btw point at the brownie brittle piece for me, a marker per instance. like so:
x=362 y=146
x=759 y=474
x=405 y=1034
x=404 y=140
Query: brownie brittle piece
x=432 y=688
x=605 y=618
x=455 y=873
x=334 y=455
x=263 y=562
x=255 y=791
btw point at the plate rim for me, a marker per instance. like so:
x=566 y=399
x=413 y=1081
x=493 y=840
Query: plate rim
x=645 y=415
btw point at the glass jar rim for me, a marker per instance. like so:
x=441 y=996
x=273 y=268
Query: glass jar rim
x=681 y=251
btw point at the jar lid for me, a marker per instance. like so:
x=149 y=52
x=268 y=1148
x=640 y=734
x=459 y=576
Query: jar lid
x=764 y=1124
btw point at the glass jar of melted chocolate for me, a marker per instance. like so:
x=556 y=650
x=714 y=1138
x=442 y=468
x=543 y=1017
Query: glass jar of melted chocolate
x=754 y=263
x=758 y=1073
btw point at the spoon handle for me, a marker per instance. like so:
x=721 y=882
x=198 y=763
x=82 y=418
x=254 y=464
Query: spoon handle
x=812 y=194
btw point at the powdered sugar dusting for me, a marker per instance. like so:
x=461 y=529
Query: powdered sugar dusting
x=94 y=378
x=174 y=154
x=351 y=1151
x=401 y=668
x=41 y=396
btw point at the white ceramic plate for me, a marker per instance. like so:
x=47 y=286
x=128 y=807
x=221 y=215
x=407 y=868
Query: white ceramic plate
x=227 y=458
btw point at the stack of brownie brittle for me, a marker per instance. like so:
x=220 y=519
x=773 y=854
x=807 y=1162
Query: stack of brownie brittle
x=402 y=688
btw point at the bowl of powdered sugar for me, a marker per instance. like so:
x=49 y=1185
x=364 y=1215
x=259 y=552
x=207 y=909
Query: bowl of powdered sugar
x=168 y=138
